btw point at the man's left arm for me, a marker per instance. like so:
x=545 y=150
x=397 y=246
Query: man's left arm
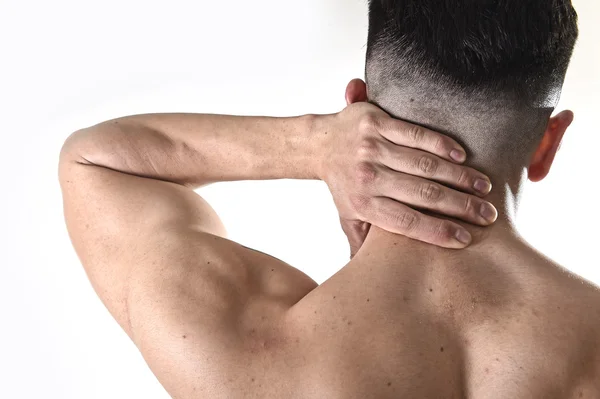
x=130 y=207
x=129 y=181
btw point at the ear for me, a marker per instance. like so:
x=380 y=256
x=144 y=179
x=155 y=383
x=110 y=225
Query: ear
x=356 y=91
x=546 y=151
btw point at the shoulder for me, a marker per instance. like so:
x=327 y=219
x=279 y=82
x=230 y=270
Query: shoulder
x=208 y=306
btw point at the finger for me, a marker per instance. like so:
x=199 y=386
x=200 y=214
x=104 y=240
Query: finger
x=423 y=164
x=356 y=231
x=409 y=135
x=398 y=218
x=422 y=193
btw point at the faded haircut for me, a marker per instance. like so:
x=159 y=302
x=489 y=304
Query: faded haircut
x=481 y=55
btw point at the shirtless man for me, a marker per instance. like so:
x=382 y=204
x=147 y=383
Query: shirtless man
x=415 y=313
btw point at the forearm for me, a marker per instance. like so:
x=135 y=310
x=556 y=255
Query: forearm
x=197 y=149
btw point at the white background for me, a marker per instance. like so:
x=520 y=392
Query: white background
x=69 y=64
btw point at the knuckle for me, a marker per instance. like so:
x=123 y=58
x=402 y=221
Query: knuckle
x=365 y=173
x=463 y=177
x=430 y=192
x=360 y=204
x=469 y=205
x=439 y=144
x=368 y=149
x=407 y=221
x=443 y=231
x=368 y=122
x=428 y=165
x=416 y=134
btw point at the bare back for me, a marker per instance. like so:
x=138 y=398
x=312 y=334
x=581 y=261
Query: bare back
x=403 y=319
x=386 y=327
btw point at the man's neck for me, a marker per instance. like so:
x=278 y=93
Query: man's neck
x=505 y=197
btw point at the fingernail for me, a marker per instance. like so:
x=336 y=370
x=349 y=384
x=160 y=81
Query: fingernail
x=458 y=155
x=483 y=186
x=488 y=212
x=463 y=236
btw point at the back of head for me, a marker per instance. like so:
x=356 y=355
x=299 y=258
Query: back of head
x=486 y=72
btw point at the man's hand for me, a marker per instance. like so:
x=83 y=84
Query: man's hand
x=379 y=169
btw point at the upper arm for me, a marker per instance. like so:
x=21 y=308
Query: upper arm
x=156 y=255
x=124 y=226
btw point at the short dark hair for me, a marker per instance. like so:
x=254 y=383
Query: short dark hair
x=522 y=47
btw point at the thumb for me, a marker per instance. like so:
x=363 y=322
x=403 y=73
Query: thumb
x=356 y=231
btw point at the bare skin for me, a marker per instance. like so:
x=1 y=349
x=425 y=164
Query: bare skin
x=403 y=319
x=406 y=320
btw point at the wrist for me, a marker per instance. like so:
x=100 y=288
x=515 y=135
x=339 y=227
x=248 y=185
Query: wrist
x=321 y=135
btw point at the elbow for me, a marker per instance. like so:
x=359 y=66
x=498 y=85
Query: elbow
x=74 y=148
x=70 y=154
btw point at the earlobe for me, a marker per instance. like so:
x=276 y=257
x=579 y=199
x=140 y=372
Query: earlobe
x=544 y=155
